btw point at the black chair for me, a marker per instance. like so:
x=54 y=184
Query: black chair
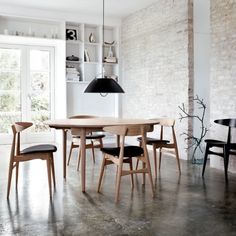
x=227 y=148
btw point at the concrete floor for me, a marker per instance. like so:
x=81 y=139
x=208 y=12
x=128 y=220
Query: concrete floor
x=183 y=205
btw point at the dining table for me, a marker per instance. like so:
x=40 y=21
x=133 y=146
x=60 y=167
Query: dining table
x=90 y=125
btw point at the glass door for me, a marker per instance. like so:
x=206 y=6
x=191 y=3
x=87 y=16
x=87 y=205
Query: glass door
x=26 y=90
x=10 y=91
x=40 y=90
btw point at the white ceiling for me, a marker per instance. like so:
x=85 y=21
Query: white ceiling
x=113 y=8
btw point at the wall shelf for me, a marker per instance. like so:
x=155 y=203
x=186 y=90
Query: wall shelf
x=90 y=53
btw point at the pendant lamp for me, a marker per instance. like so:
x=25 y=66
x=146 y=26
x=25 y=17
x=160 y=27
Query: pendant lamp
x=104 y=84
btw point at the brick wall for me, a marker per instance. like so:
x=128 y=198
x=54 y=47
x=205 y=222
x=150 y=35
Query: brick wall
x=156 y=55
x=223 y=70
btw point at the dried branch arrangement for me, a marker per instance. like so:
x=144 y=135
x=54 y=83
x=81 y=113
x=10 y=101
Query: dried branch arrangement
x=196 y=141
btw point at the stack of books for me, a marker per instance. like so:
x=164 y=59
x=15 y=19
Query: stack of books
x=72 y=74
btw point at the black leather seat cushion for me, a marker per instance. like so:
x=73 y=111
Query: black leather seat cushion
x=129 y=151
x=91 y=136
x=151 y=141
x=39 y=148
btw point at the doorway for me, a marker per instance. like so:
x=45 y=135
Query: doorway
x=26 y=90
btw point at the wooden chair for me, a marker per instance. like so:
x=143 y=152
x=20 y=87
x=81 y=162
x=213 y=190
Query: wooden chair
x=94 y=138
x=161 y=143
x=124 y=154
x=43 y=152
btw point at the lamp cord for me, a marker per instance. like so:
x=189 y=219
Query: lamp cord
x=103 y=3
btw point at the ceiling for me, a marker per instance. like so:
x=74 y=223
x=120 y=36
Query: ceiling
x=113 y=8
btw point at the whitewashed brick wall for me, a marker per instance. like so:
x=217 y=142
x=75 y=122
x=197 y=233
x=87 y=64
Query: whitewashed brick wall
x=156 y=55
x=223 y=71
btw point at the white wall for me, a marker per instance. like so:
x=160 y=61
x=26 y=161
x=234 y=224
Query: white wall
x=202 y=40
x=155 y=63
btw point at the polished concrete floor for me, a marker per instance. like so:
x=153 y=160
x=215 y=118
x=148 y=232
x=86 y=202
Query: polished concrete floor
x=184 y=204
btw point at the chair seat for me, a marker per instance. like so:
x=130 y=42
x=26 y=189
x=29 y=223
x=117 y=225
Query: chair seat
x=91 y=136
x=151 y=141
x=39 y=149
x=129 y=151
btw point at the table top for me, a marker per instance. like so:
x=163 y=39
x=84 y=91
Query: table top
x=99 y=122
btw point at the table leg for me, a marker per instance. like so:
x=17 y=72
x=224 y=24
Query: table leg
x=83 y=157
x=64 y=139
x=118 y=140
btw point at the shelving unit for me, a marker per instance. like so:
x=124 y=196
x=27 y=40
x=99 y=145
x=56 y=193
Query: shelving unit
x=90 y=63
x=27 y=27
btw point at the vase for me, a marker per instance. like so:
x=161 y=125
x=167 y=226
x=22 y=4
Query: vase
x=92 y=38
x=198 y=154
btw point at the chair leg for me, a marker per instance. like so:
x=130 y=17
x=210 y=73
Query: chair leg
x=137 y=164
x=79 y=157
x=226 y=162
x=9 y=178
x=155 y=160
x=150 y=175
x=101 y=143
x=49 y=176
x=70 y=153
x=131 y=175
x=144 y=166
x=160 y=155
x=17 y=174
x=93 y=152
x=53 y=171
x=177 y=158
x=101 y=173
x=205 y=159
x=118 y=180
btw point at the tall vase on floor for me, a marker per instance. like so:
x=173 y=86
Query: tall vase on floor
x=198 y=154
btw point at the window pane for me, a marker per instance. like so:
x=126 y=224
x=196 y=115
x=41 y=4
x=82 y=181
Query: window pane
x=9 y=59
x=10 y=94
x=39 y=60
x=40 y=88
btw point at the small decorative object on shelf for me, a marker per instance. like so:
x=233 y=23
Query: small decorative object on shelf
x=110 y=59
x=86 y=55
x=197 y=142
x=110 y=43
x=71 y=34
x=6 y=31
x=110 y=53
x=72 y=58
x=92 y=38
x=110 y=56
x=115 y=77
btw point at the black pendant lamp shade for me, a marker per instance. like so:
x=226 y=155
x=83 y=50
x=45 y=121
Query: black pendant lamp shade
x=103 y=85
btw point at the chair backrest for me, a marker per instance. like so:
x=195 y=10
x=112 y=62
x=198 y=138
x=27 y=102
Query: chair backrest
x=16 y=129
x=129 y=130
x=167 y=122
x=82 y=117
x=226 y=122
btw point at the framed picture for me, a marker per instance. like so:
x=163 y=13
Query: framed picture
x=71 y=34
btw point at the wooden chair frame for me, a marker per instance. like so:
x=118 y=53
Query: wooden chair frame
x=123 y=131
x=75 y=143
x=164 y=123
x=16 y=157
